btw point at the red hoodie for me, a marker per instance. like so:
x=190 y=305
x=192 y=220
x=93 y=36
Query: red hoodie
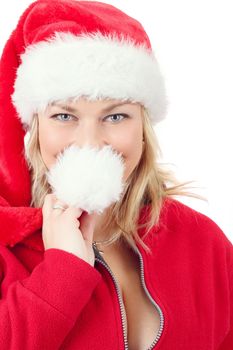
x=54 y=300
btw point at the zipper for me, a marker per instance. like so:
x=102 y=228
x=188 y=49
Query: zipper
x=100 y=259
x=161 y=316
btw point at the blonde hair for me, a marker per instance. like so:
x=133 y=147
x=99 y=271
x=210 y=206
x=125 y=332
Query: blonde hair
x=149 y=184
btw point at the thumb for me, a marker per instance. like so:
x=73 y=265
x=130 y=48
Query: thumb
x=87 y=225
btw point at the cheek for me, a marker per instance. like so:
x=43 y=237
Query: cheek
x=126 y=140
x=132 y=154
x=50 y=142
x=129 y=143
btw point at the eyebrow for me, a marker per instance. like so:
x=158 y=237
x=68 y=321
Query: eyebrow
x=74 y=110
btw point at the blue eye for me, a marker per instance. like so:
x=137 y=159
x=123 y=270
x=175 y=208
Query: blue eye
x=60 y=116
x=114 y=118
x=122 y=116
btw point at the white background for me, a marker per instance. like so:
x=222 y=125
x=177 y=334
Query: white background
x=193 y=42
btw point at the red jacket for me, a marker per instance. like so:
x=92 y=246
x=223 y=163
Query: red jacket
x=54 y=300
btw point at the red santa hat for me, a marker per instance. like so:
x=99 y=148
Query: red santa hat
x=64 y=49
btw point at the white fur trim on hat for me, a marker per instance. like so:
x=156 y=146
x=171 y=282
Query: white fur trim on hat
x=96 y=66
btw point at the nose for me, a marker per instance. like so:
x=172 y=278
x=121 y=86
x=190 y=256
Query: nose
x=91 y=134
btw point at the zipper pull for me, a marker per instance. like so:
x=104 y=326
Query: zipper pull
x=98 y=253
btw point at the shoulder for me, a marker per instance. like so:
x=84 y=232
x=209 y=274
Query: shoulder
x=181 y=224
x=189 y=225
x=186 y=236
x=175 y=214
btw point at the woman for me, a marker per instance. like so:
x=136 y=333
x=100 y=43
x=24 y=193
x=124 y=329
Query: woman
x=149 y=272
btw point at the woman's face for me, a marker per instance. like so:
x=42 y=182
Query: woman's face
x=96 y=123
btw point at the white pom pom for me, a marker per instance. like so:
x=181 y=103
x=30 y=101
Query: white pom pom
x=88 y=178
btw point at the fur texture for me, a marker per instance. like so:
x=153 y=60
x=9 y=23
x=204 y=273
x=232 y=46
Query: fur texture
x=88 y=20
x=87 y=178
x=95 y=66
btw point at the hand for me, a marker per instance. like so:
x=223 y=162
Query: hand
x=70 y=230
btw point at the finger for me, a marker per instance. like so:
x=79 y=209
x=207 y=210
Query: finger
x=87 y=225
x=73 y=212
x=53 y=206
x=47 y=205
x=58 y=208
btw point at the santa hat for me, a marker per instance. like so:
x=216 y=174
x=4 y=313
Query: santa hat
x=64 y=49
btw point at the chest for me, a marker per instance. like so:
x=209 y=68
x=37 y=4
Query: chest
x=141 y=316
x=194 y=300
